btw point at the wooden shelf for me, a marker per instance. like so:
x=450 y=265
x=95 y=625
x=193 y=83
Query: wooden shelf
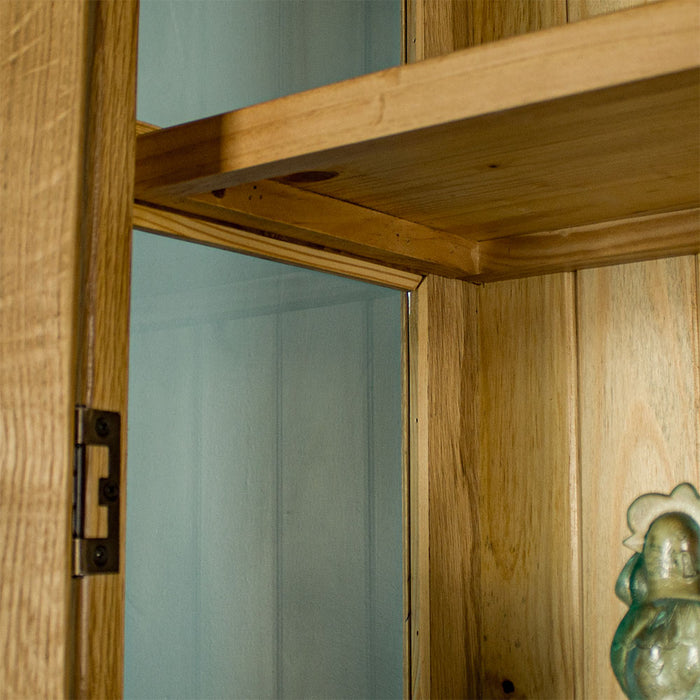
x=566 y=148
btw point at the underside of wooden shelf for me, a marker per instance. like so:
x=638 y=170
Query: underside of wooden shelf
x=572 y=147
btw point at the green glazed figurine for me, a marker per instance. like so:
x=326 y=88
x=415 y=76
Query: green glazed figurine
x=656 y=650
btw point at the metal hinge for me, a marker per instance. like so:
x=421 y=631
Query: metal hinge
x=96 y=555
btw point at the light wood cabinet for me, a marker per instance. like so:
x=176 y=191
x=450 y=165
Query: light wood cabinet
x=543 y=399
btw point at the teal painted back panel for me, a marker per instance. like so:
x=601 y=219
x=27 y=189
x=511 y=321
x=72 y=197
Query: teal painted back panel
x=264 y=468
x=202 y=57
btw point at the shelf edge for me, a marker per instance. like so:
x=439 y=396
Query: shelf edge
x=308 y=129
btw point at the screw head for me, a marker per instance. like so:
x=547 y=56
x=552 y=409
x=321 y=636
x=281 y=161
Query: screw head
x=110 y=491
x=99 y=556
x=102 y=426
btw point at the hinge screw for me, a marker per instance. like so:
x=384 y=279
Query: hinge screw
x=110 y=491
x=102 y=427
x=99 y=556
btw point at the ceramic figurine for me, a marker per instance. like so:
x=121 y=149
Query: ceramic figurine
x=656 y=650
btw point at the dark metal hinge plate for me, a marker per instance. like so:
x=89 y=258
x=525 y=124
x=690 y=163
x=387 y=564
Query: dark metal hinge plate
x=96 y=555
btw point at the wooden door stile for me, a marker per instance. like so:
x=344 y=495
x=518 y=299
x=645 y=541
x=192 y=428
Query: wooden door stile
x=104 y=318
x=43 y=55
x=445 y=629
x=445 y=596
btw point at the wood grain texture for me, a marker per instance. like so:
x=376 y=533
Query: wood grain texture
x=639 y=403
x=453 y=459
x=529 y=489
x=202 y=231
x=103 y=335
x=568 y=162
x=444 y=27
x=557 y=145
x=443 y=452
x=637 y=330
x=42 y=57
x=438 y=27
x=275 y=208
x=606 y=243
x=553 y=485
x=306 y=217
x=492 y=21
x=444 y=522
x=462 y=357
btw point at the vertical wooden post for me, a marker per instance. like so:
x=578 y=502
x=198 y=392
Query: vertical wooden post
x=104 y=309
x=446 y=628
x=43 y=57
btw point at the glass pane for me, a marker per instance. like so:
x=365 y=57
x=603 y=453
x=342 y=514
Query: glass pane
x=264 y=544
x=264 y=496
x=202 y=57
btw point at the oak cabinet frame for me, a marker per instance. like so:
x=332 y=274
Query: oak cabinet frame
x=536 y=339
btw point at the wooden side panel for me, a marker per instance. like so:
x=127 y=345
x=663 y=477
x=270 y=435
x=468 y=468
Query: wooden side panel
x=42 y=54
x=103 y=361
x=529 y=489
x=639 y=407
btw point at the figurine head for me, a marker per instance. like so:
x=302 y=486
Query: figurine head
x=672 y=556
